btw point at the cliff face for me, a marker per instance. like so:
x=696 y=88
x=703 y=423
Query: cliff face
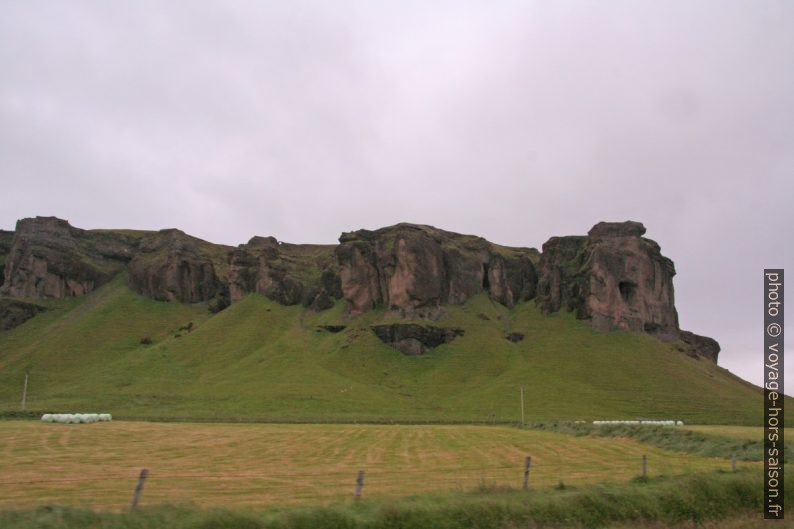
x=613 y=277
x=173 y=266
x=286 y=273
x=417 y=269
x=6 y=239
x=617 y=279
x=48 y=258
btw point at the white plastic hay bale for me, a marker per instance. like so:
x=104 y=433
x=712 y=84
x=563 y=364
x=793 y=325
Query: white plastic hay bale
x=76 y=418
x=666 y=422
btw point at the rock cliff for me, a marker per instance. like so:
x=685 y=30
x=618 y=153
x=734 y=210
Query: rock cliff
x=48 y=258
x=173 y=266
x=617 y=279
x=417 y=269
x=286 y=273
x=6 y=239
x=613 y=277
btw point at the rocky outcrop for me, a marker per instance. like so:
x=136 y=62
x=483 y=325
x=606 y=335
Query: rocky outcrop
x=173 y=266
x=14 y=313
x=48 y=258
x=332 y=328
x=412 y=339
x=699 y=346
x=416 y=269
x=615 y=278
x=286 y=273
x=514 y=337
x=6 y=239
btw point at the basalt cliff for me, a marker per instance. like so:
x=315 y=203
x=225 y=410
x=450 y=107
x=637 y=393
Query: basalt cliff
x=613 y=277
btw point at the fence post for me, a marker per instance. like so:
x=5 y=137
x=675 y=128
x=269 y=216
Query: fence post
x=733 y=462
x=527 y=467
x=139 y=488
x=25 y=392
x=644 y=466
x=359 y=485
x=522 y=406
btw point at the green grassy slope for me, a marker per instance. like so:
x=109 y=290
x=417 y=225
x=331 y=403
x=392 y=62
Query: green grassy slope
x=258 y=360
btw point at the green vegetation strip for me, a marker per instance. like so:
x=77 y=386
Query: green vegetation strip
x=673 y=438
x=694 y=498
x=258 y=361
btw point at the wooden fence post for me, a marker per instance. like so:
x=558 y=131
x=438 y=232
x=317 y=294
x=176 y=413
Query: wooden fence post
x=522 y=406
x=733 y=462
x=644 y=466
x=25 y=393
x=527 y=467
x=359 y=485
x=139 y=488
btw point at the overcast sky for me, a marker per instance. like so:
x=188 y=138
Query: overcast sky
x=516 y=121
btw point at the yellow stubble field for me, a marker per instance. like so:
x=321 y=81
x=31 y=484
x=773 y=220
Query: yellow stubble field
x=97 y=465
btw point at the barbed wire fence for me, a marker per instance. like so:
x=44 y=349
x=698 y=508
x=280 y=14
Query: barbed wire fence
x=150 y=486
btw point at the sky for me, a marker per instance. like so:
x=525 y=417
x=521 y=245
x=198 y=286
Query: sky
x=516 y=121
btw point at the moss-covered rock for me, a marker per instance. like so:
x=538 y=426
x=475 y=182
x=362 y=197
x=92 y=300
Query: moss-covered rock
x=48 y=258
x=416 y=269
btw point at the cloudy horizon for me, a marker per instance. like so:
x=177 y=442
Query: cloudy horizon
x=515 y=121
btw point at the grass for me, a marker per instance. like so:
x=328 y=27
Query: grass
x=260 y=361
x=96 y=465
x=709 y=441
x=741 y=433
x=725 y=501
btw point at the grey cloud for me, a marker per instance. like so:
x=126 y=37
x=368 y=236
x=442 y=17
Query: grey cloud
x=512 y=120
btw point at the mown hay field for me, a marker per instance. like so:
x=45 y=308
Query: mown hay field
x=97 y=465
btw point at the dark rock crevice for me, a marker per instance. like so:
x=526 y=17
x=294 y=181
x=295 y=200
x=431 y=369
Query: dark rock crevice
x=14 y=313
x=414 y=339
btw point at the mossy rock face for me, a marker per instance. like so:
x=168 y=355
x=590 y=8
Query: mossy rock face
x=413 y=339
x=289 y=274
x=416 y=269
x=613 y=277
x=6 y=239
x=616 y=279
x=48 y=258
x=14 y=313
x=173 y=266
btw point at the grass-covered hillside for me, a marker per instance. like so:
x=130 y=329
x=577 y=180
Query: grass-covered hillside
x=258 y=360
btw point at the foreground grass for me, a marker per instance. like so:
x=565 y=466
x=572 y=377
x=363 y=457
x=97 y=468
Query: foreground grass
x=745 y=442
x=716 y=500
x=96 y=465
x=260 y=361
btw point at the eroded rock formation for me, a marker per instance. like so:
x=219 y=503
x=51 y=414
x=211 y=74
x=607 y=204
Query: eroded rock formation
x=173 y=266
x=48 y=258
x=613 y=277
x=286 y=273
x=617 y=279
x=6 y=239
x=413 y=339
x=699 y=346
x=14 y=313
x=417 y=269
